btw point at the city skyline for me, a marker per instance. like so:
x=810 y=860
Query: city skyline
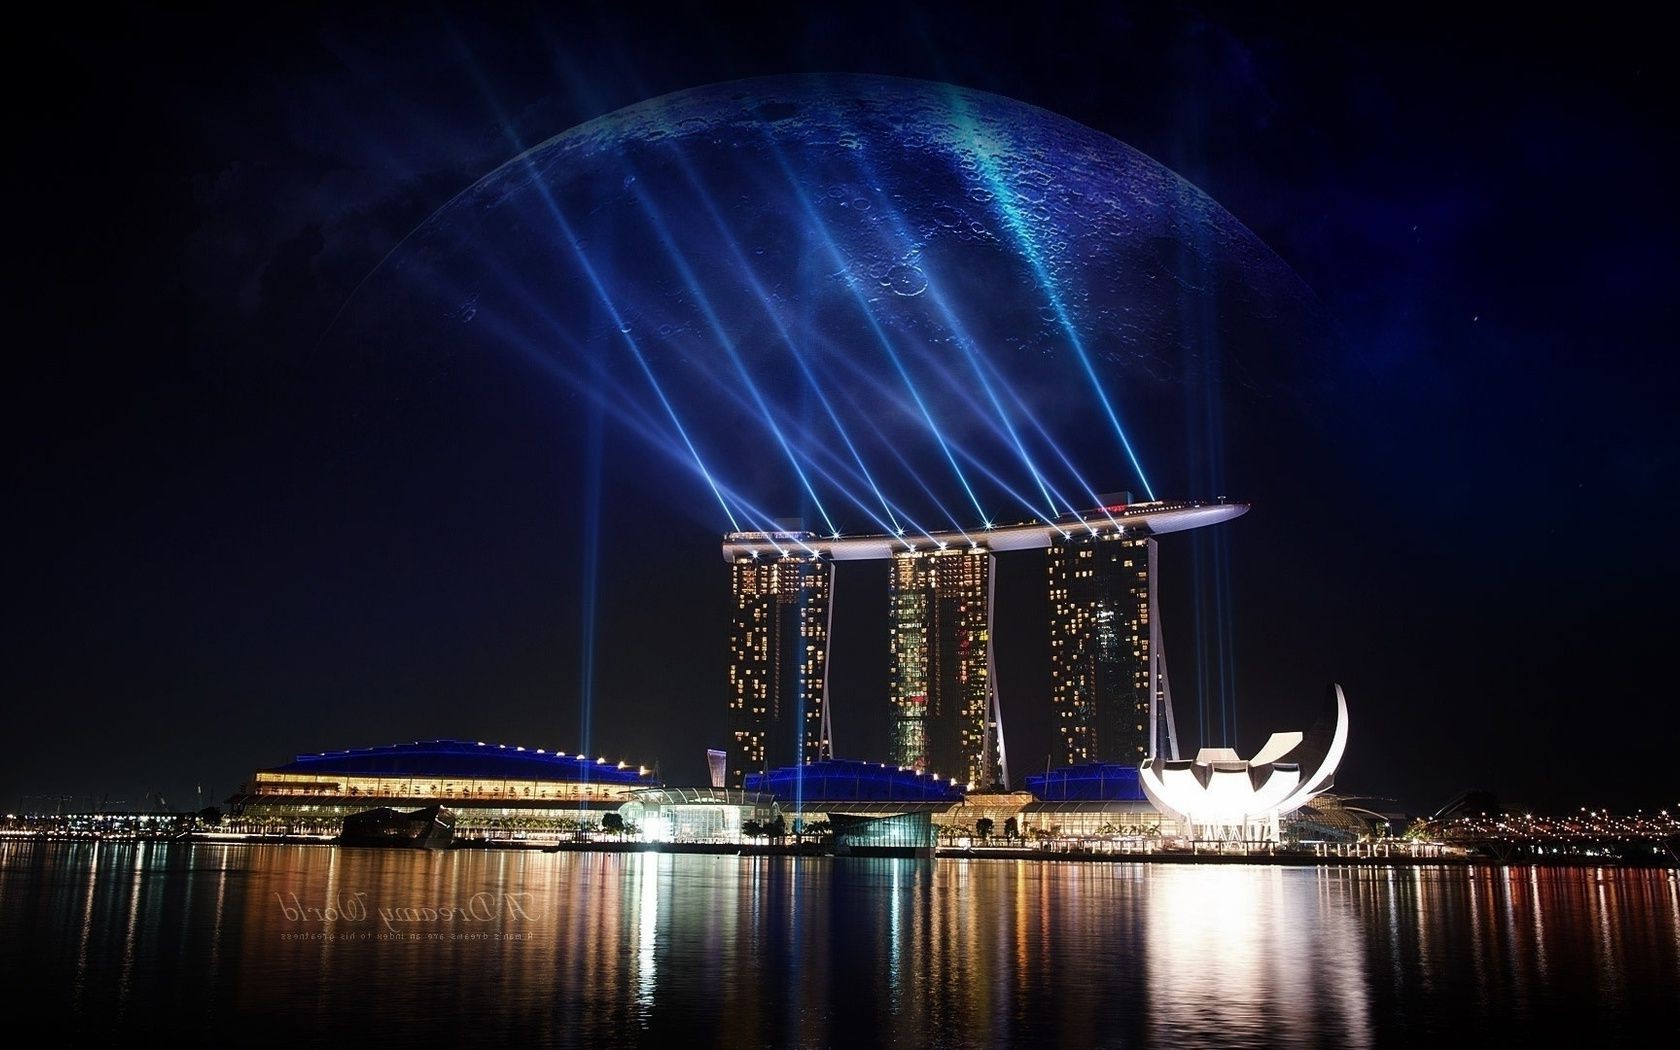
x=620 y=524
x=245 y=529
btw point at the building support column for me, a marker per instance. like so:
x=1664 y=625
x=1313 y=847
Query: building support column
x=995 y=724
x=1160 y=689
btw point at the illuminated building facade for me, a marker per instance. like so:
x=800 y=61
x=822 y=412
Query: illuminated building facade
x=696 y=814
x=1221 y=796
x=778 y=660
x=1095 y=800
x=488 y=786
x=855 y=784
x=1105 y=682
x=1110 y=685
x=871 y=809
x=493 y=791
x=940 y=604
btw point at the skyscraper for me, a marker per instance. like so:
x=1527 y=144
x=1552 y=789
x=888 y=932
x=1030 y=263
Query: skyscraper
x=1104 y=647
x=778 y=661
x=940 y=617
x=1110 y=680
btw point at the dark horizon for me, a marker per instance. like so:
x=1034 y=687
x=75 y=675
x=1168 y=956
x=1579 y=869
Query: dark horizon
x=240 y=533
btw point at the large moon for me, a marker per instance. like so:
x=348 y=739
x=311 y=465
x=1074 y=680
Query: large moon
x=862 y=296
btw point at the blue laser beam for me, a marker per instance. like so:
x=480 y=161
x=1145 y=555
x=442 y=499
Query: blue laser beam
x=817 y=224
x=960 y=333
x=582 y=259
x=1007 y=209
x=601 y=387
x=763 y=298
x=766 y=412
x=675 y=254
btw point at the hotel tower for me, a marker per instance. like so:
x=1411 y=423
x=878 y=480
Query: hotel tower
x=1108 y=680
x=1103 y=642
x=940 y=604
x=778 y=661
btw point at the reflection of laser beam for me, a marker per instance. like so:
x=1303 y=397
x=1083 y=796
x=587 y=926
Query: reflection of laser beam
x=1004 y=197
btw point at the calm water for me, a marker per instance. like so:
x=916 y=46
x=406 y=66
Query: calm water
x=252 y=945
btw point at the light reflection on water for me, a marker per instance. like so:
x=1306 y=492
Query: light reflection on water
x=203 y=941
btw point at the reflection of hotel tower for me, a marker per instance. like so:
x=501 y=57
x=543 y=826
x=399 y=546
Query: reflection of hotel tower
x=1108 y=669
x=778 y=660
x=941 y=606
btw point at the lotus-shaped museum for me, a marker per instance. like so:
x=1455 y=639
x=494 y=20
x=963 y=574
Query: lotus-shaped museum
x=1220 y=796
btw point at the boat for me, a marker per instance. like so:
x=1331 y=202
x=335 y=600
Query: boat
x=430 y=828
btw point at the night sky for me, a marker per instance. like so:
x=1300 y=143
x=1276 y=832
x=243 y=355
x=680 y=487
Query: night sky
x=235 y=534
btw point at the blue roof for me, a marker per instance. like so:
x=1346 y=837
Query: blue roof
x=464 y=759
x=840 y=780
x=1096 y=782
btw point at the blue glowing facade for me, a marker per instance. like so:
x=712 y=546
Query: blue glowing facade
x=464 y=760
x=491 y=789
x=841 y=781
x=1090 y=782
